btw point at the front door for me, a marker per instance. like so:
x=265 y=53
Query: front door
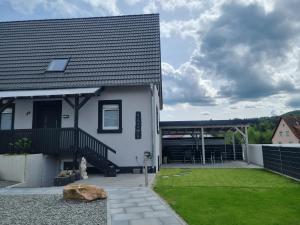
x=47 y=114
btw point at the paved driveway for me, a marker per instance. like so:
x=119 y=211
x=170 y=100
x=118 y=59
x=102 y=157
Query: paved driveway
x=139 y=206
x=131 y=203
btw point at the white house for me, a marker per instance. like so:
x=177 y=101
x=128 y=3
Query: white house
x=82 y=87
x=287 y=130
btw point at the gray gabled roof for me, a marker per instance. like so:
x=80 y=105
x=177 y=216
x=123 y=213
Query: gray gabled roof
x=103 y=51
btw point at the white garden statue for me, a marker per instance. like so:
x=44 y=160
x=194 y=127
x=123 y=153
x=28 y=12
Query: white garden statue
x=82 y=168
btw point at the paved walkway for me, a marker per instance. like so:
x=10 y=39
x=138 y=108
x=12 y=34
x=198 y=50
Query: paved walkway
x=139 y=206
x=129 y=203
x=121 y=180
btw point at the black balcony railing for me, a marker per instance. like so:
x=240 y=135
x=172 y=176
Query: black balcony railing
x=51 y=141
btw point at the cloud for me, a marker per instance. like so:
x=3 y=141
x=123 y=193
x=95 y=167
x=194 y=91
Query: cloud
x=26 y=7
x=293 y=102
x=205 y=113
x=185 y=85
x=240 y=48
x=290 y=8
x=109 y=6
x=182 y=28
x=132 y=2
x=250 y=106
x=151 y=7
x=275 y=112
x=171 y=5
x=66 y=8
x=195 y=25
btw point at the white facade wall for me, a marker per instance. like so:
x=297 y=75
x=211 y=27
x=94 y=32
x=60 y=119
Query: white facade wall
x=23 y=114
x=129 y=150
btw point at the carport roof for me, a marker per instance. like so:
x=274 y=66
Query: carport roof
x=206 y=123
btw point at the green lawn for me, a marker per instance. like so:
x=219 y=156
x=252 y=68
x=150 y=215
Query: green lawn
x=230 y=196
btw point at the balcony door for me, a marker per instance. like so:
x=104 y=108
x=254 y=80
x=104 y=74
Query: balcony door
x=47 y=114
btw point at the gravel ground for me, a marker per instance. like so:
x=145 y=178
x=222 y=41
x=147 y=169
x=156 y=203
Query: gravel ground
x=4 y=183
x=50 y=210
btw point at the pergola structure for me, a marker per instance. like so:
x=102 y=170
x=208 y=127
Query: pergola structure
x=197 y=130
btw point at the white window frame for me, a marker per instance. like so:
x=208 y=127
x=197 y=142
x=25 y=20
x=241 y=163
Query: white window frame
x=110 y=107
x=104 y=105
x=11 y=107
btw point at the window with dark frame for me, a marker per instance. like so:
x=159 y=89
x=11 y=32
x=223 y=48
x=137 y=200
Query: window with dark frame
x=110 y=116
x=7 y=118
x=58 y=65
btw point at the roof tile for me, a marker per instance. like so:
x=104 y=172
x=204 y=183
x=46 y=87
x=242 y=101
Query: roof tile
x=121 y=50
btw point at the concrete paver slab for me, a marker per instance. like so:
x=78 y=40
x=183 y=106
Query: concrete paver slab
x=147 y=221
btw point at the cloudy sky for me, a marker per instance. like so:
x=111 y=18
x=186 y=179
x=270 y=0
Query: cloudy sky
x=221 y=59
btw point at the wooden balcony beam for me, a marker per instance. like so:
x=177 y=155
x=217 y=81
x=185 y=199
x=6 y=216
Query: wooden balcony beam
x=68 y=101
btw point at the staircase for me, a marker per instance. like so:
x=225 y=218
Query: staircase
x=96 y=153
x=59 y=140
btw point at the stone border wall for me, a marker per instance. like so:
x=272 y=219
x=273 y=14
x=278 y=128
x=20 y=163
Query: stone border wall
x=30 y=170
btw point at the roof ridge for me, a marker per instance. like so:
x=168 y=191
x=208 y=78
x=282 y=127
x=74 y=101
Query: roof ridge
x=80 y=18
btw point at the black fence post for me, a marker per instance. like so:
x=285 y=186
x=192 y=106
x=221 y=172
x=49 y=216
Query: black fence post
x=279 y=148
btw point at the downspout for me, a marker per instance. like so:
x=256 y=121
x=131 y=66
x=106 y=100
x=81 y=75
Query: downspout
x=152 y=124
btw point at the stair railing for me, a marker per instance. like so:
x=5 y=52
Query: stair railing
x=88 y=141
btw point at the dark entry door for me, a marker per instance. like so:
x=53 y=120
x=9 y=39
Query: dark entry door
x=47 y=114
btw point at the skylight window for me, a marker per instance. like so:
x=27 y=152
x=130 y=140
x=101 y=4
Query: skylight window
x=58 y=65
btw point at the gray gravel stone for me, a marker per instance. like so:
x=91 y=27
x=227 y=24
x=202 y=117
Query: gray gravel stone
x=50 y=210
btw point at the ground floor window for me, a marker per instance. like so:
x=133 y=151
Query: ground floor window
x=110 y=116
x=7 y=118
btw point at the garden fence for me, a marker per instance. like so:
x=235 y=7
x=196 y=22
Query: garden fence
x=284 y=160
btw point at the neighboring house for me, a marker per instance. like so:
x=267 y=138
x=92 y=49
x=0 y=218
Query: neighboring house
x=82 y=87
x=287 y=131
